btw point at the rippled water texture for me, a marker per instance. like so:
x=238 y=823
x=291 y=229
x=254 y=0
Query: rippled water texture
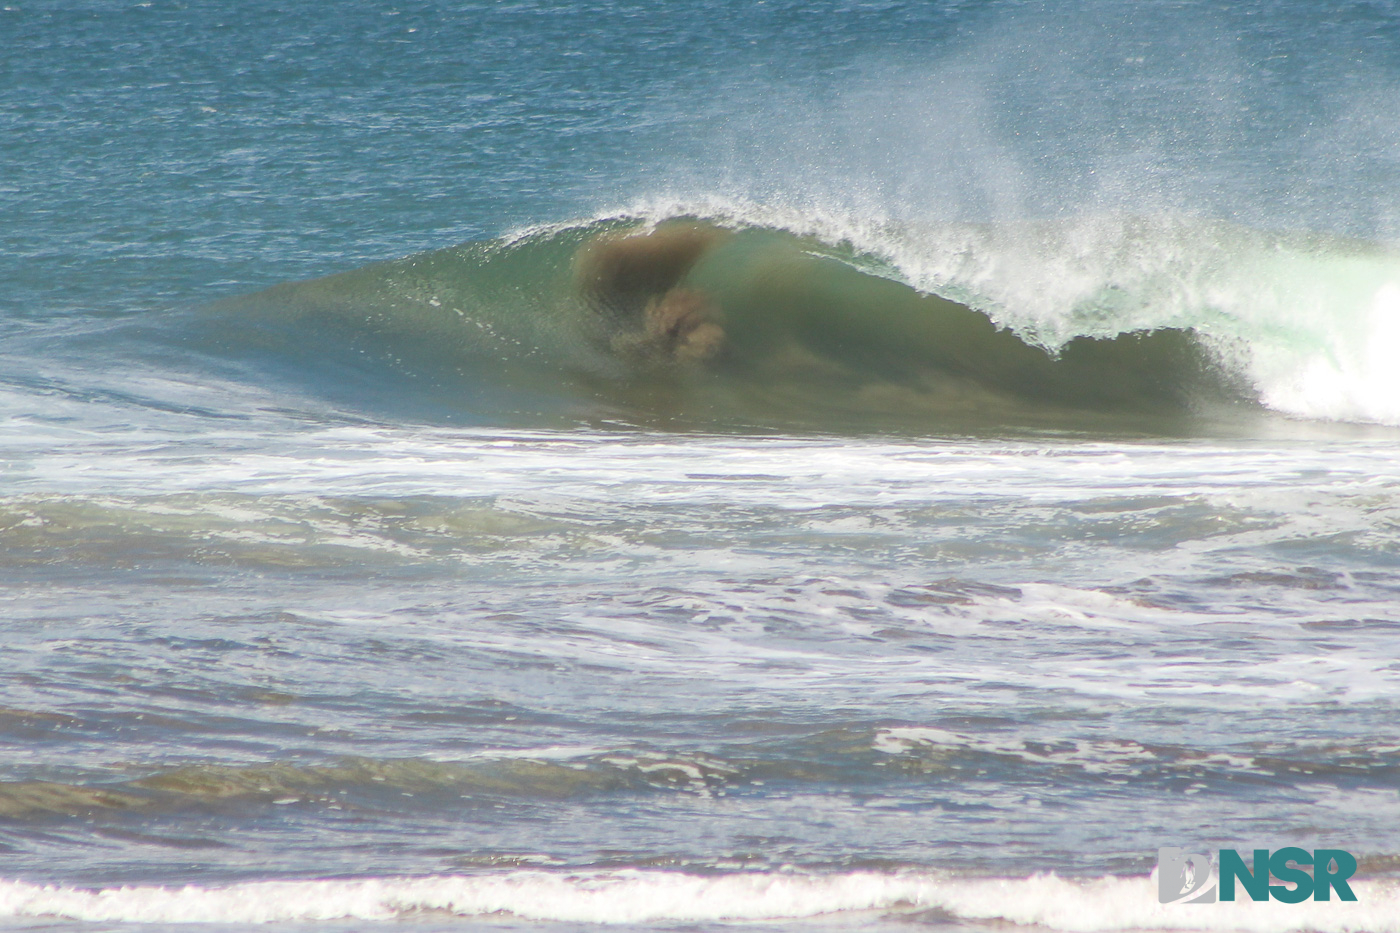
x=816 y=466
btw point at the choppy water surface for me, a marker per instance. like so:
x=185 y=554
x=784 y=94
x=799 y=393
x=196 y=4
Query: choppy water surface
x=812 y=467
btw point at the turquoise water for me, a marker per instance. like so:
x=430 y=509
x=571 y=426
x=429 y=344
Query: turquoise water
x=790 y=465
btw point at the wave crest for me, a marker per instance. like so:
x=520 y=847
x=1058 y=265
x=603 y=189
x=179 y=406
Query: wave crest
x=733 y=315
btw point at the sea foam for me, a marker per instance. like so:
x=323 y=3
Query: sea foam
x=634 y=896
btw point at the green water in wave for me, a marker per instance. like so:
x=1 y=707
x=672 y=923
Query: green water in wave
x=792 y=334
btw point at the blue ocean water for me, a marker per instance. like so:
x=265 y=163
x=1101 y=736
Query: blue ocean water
x=798 y=465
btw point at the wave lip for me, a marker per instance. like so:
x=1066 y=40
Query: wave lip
x=636 y=896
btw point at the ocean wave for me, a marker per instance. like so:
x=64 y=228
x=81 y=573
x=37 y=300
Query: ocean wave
x=1303 y=322
x=639 y=896
x=737 y=316
x=870 y=755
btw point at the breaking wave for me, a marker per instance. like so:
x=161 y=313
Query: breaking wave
x=734 y=315
x=638 y=896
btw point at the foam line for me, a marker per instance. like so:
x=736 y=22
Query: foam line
x=631 y=896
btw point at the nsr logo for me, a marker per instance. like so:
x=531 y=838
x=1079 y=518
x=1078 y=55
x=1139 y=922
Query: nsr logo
x=1191 y=878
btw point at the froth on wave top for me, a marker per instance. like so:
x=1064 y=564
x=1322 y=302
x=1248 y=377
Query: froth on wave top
x=634 y=896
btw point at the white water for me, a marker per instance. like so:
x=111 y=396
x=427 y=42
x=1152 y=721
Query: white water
x=1312 y=322
x=633 y=896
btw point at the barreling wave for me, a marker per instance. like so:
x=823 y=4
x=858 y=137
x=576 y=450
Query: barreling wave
x=630 y=896
x=731 y=315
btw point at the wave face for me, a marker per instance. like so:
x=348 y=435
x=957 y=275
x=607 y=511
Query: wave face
x=731 y=315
